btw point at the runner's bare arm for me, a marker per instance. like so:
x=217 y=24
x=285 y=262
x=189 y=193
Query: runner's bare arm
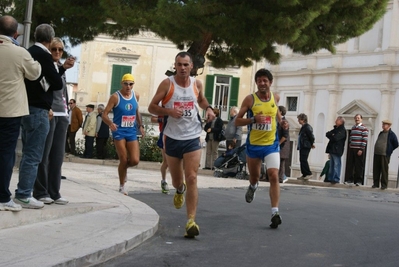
x=111 y=103
x=154 y=107
x=245 y=106
x=203 y=102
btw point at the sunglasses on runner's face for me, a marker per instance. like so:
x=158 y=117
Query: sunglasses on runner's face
x=130 y=84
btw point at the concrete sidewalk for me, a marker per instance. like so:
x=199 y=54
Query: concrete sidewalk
x=99 y=223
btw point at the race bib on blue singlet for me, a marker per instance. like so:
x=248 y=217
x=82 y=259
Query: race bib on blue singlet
x=128 y=120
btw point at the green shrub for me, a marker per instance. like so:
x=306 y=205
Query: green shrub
x=149 y=151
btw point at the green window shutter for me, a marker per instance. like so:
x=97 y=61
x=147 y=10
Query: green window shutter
x=235 y=82
x=117 y=72
x=209 y=85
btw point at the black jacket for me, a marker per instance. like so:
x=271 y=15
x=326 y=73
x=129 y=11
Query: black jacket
x=103 y=132
x=37 y=97
x=215 y=130
x=392 y=142
x=337 y=137
x=306 y=139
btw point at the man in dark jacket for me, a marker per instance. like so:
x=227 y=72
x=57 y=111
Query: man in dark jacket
x=305 y=143
x=335 y=148
x=102 y=133
x=35 y=126
x=386 y=143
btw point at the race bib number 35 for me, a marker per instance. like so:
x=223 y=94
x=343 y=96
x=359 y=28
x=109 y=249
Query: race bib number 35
x=186 y=106
x=128 y=121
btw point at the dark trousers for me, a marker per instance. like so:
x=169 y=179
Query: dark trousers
x=70 y=141
x=48 y=180
x=303 y=160
x=380 y=170
x=100 y=147
x=8 y=141
x=355 y=170
x=89 y=143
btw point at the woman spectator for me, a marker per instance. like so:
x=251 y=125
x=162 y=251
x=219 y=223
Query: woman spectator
x=284 y=141
x=48 y=181
x=305 y=143
x=212 y=130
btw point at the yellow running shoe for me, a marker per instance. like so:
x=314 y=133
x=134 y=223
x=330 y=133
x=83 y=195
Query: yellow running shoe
x=192 y=229
x=178 y=199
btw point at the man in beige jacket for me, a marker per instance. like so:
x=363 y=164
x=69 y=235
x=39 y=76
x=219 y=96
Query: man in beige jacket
x=16 y=64
x=89 y=131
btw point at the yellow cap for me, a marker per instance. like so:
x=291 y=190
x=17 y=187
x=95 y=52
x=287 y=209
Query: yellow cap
x=128 y=77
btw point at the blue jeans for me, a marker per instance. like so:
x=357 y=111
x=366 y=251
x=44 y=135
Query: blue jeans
x=335 y=168
x=48 y=181
x=8 y=141
x=35 y=128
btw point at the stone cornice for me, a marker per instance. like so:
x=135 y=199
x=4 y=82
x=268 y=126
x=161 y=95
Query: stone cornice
x=142 y=37
x=371 y=69
x=122 y=54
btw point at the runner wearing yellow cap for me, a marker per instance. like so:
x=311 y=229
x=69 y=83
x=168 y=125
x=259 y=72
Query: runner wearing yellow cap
x=124 y=104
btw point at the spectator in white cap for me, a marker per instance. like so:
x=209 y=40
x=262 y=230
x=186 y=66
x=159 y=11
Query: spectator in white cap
x=386 y=143
x=89 y=131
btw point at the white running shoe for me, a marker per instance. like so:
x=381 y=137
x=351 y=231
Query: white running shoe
x=61 y=201
x=46 y=200
x=29 y=203
x=10 y=206
x=122 y=189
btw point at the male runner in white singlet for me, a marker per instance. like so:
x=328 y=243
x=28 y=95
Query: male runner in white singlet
x=181 y=95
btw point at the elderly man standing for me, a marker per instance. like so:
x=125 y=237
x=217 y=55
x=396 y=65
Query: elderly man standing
x=357 y=149
x=16 y=64
x=36 y=125
x=335 y=148
x=102 y=133
x=89 y=131
x=75 y=122
x=233 y=132
x=386 y=143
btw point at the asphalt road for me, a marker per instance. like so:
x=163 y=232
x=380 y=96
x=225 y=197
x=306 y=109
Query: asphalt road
x=321 y=227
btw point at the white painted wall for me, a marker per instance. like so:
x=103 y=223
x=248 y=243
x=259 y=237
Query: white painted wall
x=364 y=69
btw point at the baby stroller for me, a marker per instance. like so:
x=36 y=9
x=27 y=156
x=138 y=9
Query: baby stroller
x=233 y=166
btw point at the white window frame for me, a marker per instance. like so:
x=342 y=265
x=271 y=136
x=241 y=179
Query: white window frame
x=221 y=95
x=291 y=112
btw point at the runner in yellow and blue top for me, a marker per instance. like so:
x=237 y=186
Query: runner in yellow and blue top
x=124 y=104
x=262 y=140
